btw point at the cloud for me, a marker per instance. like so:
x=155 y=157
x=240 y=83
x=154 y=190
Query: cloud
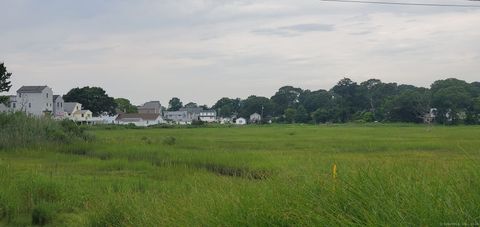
x=296 y=29
x=201 y=50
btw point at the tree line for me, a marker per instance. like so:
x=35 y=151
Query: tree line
x=448 y=101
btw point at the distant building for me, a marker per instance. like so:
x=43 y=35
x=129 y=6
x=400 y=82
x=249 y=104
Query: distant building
x=185 y=115
x=142 y=120
x=153 y=107
x=241 y=121
x=33 y=100
x=58 y=111
x=3 y=108
x=208 y=116
x=179 y=117
x=255 y=118
x=70 y=108
x=75 y=112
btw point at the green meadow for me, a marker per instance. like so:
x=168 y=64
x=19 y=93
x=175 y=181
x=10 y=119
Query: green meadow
x=278 y=175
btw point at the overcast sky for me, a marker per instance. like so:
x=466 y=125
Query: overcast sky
x=202 y=50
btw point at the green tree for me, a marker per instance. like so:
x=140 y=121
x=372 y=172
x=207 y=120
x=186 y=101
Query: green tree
x=94 y=99
x=5 y=83
x=321 y=115
x=452 y=98
x=227 y=107
x=313 y=100
x=256 y=104
x=285 y=97
x=125 y=105
x=376 y=93
x=348 y=98
x=409 y=106
x=301 y=115
x=191 y=105
x=174 y=104
x=290 y=115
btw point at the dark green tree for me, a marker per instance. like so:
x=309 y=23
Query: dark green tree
x=301 y=115
x=256 y=104
x=409 y=106
x=348 y=99
x=452 y=98
x=290 y=114
x=227 y=107
x=94 y=99
x=285 y=97
x=313 y=100
x=174 y=104
x=124 y=105
x=191 y=105
x=5 y=83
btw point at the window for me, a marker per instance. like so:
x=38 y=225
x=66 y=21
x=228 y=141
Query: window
x=29 y=105
x=82 y=115
x=47 y=95
x=19 y=95
x=14 y=105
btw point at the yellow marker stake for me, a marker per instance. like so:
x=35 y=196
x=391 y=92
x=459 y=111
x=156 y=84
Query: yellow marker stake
x=334 y=171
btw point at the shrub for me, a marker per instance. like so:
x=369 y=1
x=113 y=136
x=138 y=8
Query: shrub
x=169 y=140
x=43 y=214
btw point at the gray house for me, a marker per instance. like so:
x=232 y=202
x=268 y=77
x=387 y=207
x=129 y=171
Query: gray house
x=184 y=116
x=152 y=107
x=58 y=103
x=208 y=116
x=179 y=117
x=33 y=100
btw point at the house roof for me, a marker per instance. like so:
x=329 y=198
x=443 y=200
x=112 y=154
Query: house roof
x=151 y=104
x=140 y=116
x=69 y=107
x=31 y=89
x=196 y=110
x=55 y=97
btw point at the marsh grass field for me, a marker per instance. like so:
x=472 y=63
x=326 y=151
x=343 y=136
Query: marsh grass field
x=278 y=175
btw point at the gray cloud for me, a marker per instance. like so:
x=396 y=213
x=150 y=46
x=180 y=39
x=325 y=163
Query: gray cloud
x=201 y=50
x=294 y=30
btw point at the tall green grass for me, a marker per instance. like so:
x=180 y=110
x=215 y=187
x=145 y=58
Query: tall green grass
x=249 y=176
x=19 y=130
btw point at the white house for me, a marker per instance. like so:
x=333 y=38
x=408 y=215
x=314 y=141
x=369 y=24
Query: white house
x=82 y=116
x=208 y=116
x=33 y=100
x=255 y=118
x=142 y=120
x=241 y=121
x=70 y=108
x=74 y=112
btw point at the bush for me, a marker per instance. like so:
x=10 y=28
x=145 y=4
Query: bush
x=170 y=140
x=43 y=214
